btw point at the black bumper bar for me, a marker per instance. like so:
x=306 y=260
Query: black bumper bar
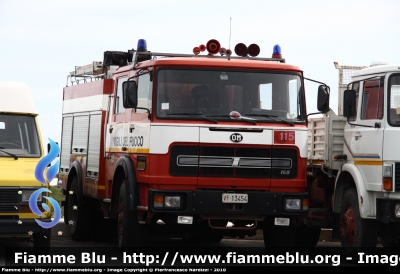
x=210 y=202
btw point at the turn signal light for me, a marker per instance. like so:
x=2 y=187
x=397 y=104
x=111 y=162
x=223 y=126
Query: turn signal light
x=387 y=184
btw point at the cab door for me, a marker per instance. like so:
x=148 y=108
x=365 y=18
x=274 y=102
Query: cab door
x=364 y=138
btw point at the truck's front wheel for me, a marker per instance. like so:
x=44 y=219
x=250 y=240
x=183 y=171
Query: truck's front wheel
x=130 y=232
x=355 y=233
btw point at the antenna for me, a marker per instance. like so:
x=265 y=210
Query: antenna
x=230 y=30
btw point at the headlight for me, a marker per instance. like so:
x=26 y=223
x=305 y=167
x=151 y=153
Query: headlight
x=172 y=201
x=26 y=194
x=397 y=210
x=161 y=201
x=293 y=203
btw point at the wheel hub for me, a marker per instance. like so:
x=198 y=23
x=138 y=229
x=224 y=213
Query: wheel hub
x=348 y=226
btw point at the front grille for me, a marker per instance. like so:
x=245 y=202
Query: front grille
x=397 y=177
x=233 y=162
x=9 y=198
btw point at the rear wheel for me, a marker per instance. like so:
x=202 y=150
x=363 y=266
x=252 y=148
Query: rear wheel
x=79 y=213
x=355 y=233
x=130 y=232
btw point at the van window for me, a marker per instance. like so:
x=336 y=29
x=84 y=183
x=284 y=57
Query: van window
x=19 y=136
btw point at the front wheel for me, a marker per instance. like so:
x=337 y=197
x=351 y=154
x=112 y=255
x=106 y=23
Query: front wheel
x=355 y=233
x=130 y=232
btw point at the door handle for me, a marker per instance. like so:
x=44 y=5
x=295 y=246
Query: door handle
x=357 y=135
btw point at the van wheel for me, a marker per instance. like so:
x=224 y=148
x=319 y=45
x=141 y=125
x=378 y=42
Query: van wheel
x=130 y=232
x=79 y=213
x=355 y=233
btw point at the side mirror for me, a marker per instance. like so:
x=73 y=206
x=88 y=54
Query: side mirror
x=48 y=148
x=129 y=94
x=323 y=99
x=349 y=103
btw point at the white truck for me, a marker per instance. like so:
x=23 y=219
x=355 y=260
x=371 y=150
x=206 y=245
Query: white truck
x=353 y=166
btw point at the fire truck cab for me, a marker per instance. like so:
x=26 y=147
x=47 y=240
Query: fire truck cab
x=198 y=146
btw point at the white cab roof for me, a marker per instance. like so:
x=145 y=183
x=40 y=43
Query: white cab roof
x=16 y=97
x=377 y=69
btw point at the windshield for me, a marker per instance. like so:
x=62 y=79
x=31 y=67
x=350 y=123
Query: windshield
x=394 y=95
x=18 y=136
x=260 y=96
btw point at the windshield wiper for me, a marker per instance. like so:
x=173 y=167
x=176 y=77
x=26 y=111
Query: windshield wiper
x=8 y=153
x=273 y=117
x=238 y=119
x=200 y=115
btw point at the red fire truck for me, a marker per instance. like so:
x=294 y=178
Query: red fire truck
x=198 y=146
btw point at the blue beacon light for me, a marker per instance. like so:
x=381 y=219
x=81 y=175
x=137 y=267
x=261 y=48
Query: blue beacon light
x=142 y=45
x=276 y=53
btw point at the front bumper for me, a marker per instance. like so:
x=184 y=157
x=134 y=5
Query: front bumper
x=14 y=228
x=385 y=210
x=209 y=202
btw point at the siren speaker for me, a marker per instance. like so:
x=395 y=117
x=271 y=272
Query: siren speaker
x=254 y=50
x=241 y=50
x=196 y=50
x=202 y=47
x=213 y=46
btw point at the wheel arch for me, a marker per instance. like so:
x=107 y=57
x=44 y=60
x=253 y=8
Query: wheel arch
x=350 y=176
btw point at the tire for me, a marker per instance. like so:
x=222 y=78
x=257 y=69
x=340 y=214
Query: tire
x=307 y=237
x=79 y=213
x=41 y=242
x=356 y=234
x=130 y=232
x=281 y=237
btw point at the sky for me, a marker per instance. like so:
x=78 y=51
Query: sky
x=41 y=41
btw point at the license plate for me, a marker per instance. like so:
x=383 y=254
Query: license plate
x=235 y=198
